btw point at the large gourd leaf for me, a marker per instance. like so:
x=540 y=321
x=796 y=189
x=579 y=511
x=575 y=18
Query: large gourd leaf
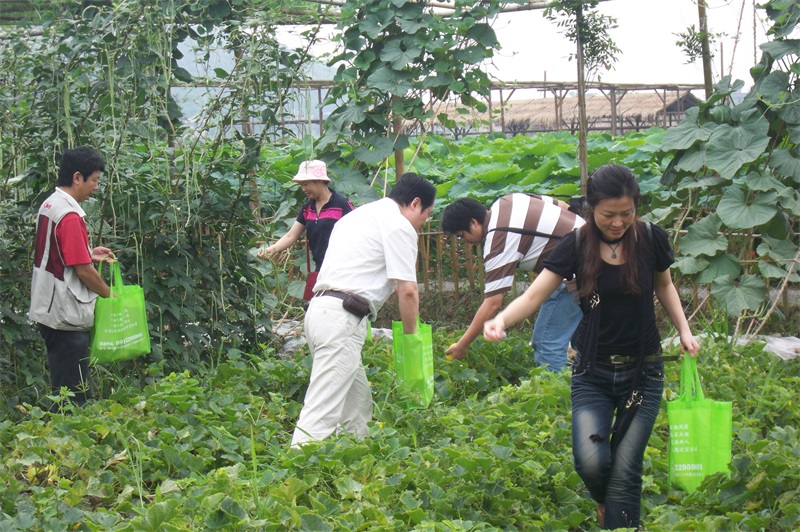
x=790 y=200
x=690 y=265
x=778 y=49
x=773 y=271
x=719 y=266
x=731 y=147
x=378 y=149
x=736 y=212
x=778 y=249
x=692 y=161
x=703 y=238
x=386 y=80
x=785 y=163
x=747 y=294
x=687 y=132
x=761 y=181
x=400 y=52
x=700 y=181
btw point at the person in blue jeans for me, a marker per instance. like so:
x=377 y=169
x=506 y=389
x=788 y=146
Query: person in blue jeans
x=556 y=322
x=517 y=232
x=618 y=375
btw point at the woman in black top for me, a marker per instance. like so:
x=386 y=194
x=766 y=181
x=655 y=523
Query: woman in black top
x=317 y=216
x=617 y=377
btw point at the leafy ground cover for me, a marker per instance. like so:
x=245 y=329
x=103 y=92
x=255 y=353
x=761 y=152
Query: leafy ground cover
x=199 y=452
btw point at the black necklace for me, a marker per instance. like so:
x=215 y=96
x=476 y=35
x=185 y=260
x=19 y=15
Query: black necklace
x=613 y=244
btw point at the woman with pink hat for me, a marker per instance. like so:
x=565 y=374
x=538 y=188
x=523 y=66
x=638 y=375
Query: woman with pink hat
x=317 y=215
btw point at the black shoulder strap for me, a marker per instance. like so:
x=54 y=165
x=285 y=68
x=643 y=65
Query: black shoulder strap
x=521 y=231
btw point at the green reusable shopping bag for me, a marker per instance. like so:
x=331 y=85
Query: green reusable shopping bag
x=413 y=363
x=700 y=432
x=120 y=323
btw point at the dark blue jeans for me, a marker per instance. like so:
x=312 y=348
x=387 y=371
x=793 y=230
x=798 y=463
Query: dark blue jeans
x=68 y=360
x=597 y=396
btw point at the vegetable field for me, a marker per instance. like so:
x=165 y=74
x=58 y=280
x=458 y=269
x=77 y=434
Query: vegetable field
x=491 y=453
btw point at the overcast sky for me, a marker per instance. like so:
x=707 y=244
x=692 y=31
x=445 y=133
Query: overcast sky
x=534 y=49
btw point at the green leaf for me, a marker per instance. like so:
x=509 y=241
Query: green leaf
x=749 y=293
x=785 y=163
x=484 y=35
x=181 y=74
x=399 y=53
x=772 y=89
x=379 y=149
x=778 y=249
x=687 y=132
x=703 y=238
x=348 y=487
x=389 y=81
x=688 y=265
x=760 y=181
x=779 y=48
x=731 y=147
x=719 y=266
x=774 y=271
x=790 y=199
x=700 y=181
x=692 y=161
x=737 y=212
x=364 y=59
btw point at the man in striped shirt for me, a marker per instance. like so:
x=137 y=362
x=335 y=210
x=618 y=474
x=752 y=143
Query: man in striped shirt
x=518 y=232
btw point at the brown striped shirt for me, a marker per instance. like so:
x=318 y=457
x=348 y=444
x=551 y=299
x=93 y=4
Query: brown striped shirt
x=506 y=251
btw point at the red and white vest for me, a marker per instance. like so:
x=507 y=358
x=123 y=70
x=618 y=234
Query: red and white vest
x=58 y=297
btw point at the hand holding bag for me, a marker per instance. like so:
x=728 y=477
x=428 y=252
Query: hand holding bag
x=120 y=329
x=700 y=432
x=413 y=363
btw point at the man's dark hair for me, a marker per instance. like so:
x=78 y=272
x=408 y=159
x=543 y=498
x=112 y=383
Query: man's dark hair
x=85 y=160
x=458 y=215
x=412 y=186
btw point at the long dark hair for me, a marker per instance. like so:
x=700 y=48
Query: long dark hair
x=609 y=182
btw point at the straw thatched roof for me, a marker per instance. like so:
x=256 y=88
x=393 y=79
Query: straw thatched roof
x=634 y=109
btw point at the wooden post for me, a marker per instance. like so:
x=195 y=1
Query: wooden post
x=701 y=11
x=454 y=259
x=583 y=155
x=439 y=280
x=470 y=265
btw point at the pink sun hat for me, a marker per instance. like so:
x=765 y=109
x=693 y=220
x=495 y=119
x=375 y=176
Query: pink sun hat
x=312 y=171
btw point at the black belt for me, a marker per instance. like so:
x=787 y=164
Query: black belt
x=622 y=359
x=357 y=308
x=332 y=293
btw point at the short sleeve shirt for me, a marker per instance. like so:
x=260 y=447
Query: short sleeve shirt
x=73 y=240
x=319 y=225
x=370 y=250
x=505 y=251
x=621 y=319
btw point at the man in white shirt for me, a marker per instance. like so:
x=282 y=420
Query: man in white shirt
x=372 y=253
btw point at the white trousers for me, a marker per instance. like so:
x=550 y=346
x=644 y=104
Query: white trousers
x=338 y=396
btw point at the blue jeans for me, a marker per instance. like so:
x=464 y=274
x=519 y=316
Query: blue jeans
x=613 y=479
x=558 y=318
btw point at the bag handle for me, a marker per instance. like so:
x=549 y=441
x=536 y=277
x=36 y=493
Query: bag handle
x=690 y=388
x=116 y=276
